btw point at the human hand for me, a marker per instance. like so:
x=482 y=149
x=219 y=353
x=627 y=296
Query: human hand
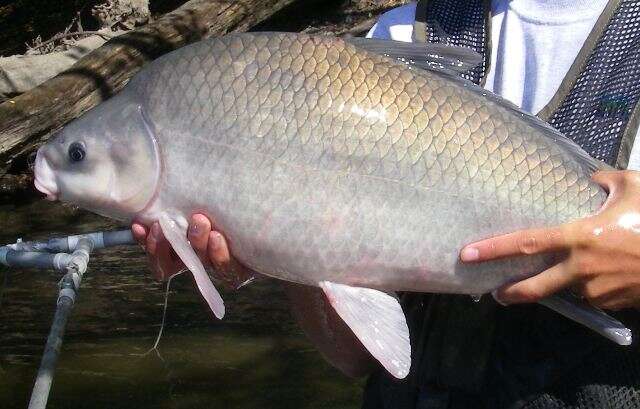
x=603 y=251
x=210 y=246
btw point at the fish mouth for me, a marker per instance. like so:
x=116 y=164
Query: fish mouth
x=43 y=189
x=44 y=179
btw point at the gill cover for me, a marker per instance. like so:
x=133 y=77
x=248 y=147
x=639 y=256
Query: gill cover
x=117 y=173
x=137 y=155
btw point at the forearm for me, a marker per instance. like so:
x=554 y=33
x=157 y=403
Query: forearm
x=326 y=330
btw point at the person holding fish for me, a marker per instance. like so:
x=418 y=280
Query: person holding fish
x=531 y=42
x=351 y=169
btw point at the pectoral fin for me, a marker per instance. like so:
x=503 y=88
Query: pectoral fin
x=178 y=239
x=591 y=317
x=377 y=320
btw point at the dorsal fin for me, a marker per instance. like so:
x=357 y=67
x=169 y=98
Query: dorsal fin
x=423 y=55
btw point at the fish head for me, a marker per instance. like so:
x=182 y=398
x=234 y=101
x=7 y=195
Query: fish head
x=106 y=161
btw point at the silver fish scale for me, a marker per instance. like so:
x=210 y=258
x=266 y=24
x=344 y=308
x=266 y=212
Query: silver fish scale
x=323 y=161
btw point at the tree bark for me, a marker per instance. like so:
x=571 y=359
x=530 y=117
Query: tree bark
x=27 y=120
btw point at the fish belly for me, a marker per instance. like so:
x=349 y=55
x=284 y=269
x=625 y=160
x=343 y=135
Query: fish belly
x=307 y=225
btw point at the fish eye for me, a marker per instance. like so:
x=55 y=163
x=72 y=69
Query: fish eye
x=76 y=152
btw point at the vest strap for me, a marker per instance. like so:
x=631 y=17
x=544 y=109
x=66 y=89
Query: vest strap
x=628 y=138
x=420 y=25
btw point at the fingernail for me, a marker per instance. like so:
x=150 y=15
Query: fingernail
x=194 y=229
x=138 y=232
x=469 y=254
x=495 y=296
x=156 y=231
x=216 y=240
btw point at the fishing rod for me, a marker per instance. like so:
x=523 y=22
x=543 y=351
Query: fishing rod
x=69 y=255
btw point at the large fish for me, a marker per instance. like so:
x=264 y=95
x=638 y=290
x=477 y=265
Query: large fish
x=333 y=163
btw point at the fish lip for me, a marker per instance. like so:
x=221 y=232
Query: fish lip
x=43 y=189
x=41 y=166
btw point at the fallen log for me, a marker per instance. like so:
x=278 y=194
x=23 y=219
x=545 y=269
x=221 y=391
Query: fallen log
x=28 y=119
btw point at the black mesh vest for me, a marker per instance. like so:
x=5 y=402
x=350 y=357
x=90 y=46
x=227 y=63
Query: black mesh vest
x=481 y=355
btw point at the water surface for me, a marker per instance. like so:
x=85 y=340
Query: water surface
x=255 y=358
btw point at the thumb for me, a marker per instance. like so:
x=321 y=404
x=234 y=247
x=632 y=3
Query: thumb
x=612 y=182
